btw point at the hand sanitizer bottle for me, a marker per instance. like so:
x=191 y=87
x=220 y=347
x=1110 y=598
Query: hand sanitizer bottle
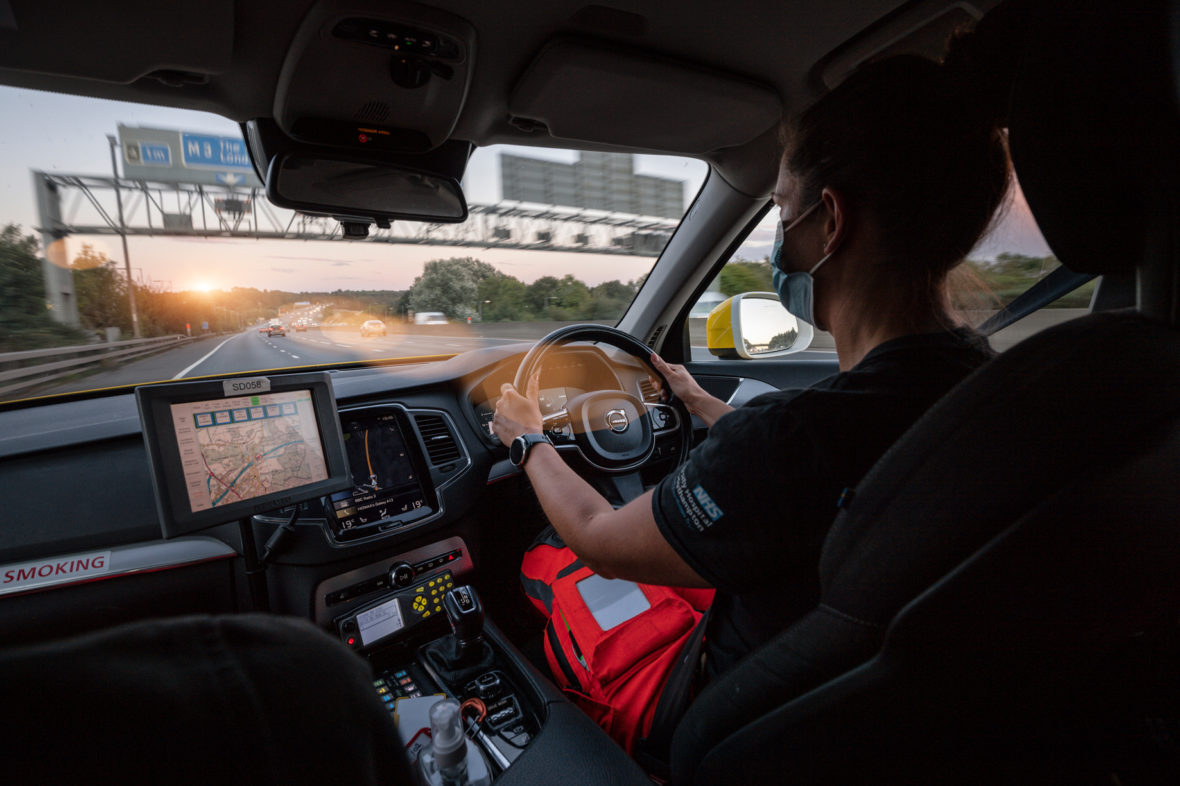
x=450 y=760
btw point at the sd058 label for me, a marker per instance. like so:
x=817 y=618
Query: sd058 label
x=242 y=387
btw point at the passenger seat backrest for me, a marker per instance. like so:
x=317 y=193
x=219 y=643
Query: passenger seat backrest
x=209 y=700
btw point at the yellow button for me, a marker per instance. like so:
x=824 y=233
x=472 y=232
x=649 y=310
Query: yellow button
x=382 y=690
x=430 y=583
x=425 y=614
x=450 y=584
x=420 y=590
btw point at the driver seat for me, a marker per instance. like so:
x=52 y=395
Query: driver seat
x=1000 y=600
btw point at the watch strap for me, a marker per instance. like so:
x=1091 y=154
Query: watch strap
x=528 y=440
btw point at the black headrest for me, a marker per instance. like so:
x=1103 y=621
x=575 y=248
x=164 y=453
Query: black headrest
x=1094 y=129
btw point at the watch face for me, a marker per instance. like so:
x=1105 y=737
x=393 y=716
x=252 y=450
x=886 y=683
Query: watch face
x=517 y=451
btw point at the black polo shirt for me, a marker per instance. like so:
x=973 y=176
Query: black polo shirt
x=750 y=508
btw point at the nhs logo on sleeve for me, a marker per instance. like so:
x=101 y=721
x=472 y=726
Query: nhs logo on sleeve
x=707 y=504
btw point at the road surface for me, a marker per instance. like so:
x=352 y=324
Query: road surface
x=250 y=350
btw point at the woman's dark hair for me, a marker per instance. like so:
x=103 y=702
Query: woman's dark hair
x=911 y=142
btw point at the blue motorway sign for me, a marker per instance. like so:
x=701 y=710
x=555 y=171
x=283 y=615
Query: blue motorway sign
x=214 y=152
x=155 y=154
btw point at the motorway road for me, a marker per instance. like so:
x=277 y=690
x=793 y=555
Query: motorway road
x=251 y=350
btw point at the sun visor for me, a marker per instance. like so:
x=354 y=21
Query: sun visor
x=596 y=93
x=55 y=37
x=368 y=74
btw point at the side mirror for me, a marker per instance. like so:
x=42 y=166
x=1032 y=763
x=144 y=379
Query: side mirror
x=755 y=325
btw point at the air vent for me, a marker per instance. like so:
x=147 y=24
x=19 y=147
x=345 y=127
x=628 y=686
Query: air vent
x=440 y=443
x=650 y=394
x=373 y=112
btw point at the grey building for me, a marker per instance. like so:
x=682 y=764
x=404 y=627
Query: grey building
x=600 y=181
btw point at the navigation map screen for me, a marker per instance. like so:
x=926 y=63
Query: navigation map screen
x=385 y=481
x=223 y=450
x=235 y=449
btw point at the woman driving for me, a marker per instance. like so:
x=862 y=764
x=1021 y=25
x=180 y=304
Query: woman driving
x=883 y=188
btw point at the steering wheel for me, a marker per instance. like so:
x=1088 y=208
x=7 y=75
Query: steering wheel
x=614 y=431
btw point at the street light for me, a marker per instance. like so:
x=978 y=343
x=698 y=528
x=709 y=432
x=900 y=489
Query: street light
x=123 y=234
x=481 y=304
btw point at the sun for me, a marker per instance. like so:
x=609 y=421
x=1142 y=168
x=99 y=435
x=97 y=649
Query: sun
x=203 y=286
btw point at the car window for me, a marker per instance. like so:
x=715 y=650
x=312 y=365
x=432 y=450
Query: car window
x=1009 y=259
x=202 y=275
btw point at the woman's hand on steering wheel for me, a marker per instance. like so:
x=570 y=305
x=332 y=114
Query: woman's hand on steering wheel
x=705 y=406
x=517 y=414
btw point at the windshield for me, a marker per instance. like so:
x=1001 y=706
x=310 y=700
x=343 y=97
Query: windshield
x=138 y=245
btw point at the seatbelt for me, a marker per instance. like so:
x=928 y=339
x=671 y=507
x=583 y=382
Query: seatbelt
x=652 y=751
x=1059 y=282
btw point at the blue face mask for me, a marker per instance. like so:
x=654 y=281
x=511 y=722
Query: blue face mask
x=794 y=289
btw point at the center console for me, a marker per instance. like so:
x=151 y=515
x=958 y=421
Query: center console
x=423 y=631
x=428 y=640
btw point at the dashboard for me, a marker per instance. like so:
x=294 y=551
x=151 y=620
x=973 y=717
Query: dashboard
x=428 y=505
x=565 y=375
x=426 y=483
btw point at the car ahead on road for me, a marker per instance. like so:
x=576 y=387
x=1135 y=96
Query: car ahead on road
x=301 y=326
x=372 y=327
x=276 y=329
x=617 y=162
x=430 y=318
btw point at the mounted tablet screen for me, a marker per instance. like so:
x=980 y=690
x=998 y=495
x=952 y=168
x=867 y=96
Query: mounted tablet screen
x=223 y=450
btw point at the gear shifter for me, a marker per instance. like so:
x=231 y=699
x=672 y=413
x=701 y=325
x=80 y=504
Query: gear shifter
x=466 y=615
x=462 y=654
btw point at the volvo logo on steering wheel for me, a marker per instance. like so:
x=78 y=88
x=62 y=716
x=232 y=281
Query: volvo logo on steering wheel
x=616 y=420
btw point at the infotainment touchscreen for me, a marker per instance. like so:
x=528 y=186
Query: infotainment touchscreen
x=223 y=450
x=386 y=475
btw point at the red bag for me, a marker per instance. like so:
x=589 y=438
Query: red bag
x=615 y=676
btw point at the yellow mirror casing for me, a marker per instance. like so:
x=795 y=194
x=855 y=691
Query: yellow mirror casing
x=719 y=330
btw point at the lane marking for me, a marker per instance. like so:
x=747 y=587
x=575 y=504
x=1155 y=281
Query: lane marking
x=295 y=357
x=202 y=360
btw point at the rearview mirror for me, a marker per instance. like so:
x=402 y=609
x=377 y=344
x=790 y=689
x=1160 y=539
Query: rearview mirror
x=755 y=325
x=363 y=189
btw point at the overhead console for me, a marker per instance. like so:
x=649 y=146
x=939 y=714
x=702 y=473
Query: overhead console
x=367 y=74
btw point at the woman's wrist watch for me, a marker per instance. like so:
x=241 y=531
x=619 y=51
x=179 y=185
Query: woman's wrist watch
x=518 y=451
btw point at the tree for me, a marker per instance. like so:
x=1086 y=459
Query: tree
x=25 y=322
x=503 y=298
x=610 y=299
x=739 y=277
x=101 y=291
x=450 y=286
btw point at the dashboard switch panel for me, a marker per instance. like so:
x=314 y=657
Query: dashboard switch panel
x=375 y=623
x=344 y=593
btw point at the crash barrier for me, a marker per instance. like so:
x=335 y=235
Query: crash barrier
x=22 y=370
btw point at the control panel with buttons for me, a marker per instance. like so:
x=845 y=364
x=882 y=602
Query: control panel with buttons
x=427 y=596
x=372 y=624
x=398 y=576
